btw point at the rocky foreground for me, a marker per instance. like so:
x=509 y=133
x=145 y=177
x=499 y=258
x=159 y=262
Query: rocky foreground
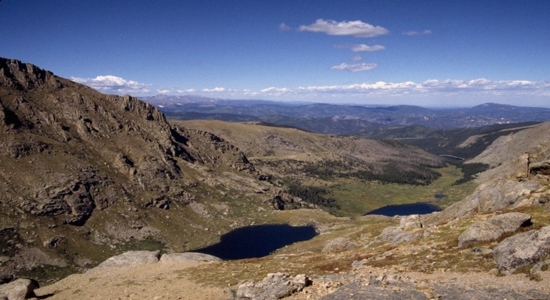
x=137 y=275
x=515 y=268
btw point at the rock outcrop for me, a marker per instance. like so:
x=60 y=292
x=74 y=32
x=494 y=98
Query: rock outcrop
x=70 y=154
x=522 y=249
x=493 y=228
x=403 y=289
x=132 y=258
x=517 y=161
x=188 y=256
x=409 y=229
x=274 y=286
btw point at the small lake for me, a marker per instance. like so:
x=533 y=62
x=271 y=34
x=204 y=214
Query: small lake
x=419 y=208
x=257 y=241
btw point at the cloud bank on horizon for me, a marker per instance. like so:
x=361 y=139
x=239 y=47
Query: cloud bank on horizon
x=430 y=53
x=480 y=87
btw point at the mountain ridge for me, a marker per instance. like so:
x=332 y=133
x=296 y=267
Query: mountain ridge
x=348 y=118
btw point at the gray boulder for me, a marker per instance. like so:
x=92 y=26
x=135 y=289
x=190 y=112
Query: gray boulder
x=18 y=289
x=493 y=228
x=132 y=258
x=522 y=249
x=510 y=222
x=274 y=286
x=479 y=232
x=187 y=256
x=410 y=222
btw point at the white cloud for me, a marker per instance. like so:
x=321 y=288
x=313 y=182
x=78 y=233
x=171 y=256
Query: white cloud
x=412 y=32
x=357 y=58
x=363 y=47
x=284 y=27
x=353 y=28
x=484 y=90
x=354 y=68
x=167 y=91
x=114 y=84
x=215 y=90
x=219 y=90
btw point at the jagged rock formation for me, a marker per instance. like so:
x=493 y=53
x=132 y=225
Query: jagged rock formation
x=68 y=151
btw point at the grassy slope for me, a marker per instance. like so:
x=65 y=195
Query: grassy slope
x=354 y=196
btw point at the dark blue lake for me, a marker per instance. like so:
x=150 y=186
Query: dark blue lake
x=257 y=241
x=419 y=208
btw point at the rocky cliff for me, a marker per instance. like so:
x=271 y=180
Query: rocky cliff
x=69 y=153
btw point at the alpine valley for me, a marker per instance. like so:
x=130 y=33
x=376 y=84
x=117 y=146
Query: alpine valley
x=115 y=197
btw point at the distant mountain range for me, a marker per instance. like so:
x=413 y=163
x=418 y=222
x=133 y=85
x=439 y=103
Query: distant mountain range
x=341 y=118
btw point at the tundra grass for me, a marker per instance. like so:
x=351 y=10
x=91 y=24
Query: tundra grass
x=356 y=197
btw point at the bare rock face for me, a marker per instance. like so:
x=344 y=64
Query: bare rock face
x=522 y=249
x=274 y=286
x=493 y=228
x=18 y=289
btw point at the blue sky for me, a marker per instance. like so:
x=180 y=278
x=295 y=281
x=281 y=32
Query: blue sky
x=429 y=53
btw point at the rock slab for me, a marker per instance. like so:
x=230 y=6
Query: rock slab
x=493 y=228
x=274 y=286
x=188 y=256
x=132 y=258
x=522 y=249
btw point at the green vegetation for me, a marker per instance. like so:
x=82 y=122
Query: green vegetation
x=313 y=194
x=392 y=174
x=469 y=171
x=357 y=197
x=389 y=172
